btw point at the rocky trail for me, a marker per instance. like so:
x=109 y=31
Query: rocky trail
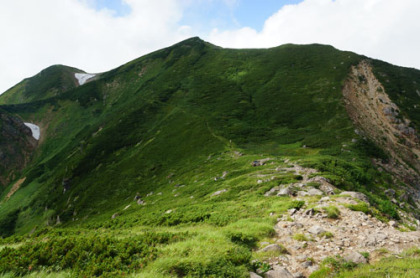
x=324 y=227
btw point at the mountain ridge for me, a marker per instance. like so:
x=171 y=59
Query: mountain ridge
x=192 y=137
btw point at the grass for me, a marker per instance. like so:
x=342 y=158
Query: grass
x=332 y=212
x=300 y=237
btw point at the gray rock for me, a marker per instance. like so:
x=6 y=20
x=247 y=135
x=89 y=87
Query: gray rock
x=306 y=264
x=278 y=272
x=292 y=211
x=299 y=275
x=272 y=191
x=284 y=192
x=315 y=192
x=356 y=195
x=354 y=257
x=310 y=212
x=316 y=230
x=115 y=215
x=219 y=192
x=272 y=248
x=390 y=192
x=140 y=202
x=254 y=275
x=393 y=224
x=302 y=193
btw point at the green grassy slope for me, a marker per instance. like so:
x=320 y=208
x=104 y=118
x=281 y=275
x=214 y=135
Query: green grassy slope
x=168 y=125
x=50 y=82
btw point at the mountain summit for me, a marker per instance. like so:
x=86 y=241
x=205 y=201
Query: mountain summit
x=200 y=161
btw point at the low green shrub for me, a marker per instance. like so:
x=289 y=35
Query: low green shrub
x=332 y=212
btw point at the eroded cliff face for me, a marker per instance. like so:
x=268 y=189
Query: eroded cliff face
x=381 y=121
x=16 y=146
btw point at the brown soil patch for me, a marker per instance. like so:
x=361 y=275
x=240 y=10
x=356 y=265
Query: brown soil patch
x=15 y=188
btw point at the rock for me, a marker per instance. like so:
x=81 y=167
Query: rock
x=306 y=264
x=310 y=212
x=356 y=195
x=254 y=275
x=404 y=197
x=354 y=257
x=393 y=224
x=224 y=174
x=375 y=239
x=115 y=215
x=168 y=211
x=273 y=248
x=284 y=192
x=316 y=230
x=260 y=162
x=137 y=196
x=140 y=202
x=278 y=272
x=299 y=275
x=292 y=211
x=315 y=192
x=302 y=193
x=272 y=191
x=390 y=192
x=302 y=258
x=219 y=192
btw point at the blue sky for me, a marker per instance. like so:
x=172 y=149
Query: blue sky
x=205 y=15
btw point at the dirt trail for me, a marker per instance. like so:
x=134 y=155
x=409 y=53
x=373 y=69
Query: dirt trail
x=15 y=188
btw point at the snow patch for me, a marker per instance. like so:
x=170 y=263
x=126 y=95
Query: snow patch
x=83 y=77
x=35 y=130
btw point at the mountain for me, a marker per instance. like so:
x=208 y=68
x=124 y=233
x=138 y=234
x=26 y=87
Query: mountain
x=181 y=162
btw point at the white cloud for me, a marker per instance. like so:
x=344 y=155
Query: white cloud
x=37 y=34
x=384 y=29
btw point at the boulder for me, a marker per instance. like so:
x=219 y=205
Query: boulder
x=316 y=230
x=393 y=224
x=272 y=191
x=254 y=275
x=284 y=192
x=278 y=272
x=354 y=257
x=273 y=248
x=356 y=195
x=315 y=192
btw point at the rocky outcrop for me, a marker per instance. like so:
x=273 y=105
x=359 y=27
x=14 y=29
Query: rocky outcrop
x=381 y=121
x=349 y=236
x=16 y=146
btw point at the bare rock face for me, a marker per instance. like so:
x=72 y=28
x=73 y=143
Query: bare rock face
x=379 y=119
x=16 y=146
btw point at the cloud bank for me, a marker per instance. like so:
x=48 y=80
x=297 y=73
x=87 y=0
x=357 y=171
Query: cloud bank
x=384 y=29
x=37 y=34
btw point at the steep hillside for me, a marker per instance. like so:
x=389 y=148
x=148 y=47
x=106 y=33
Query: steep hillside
x=50 y=82
x=16 y=146
x=194 y=152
